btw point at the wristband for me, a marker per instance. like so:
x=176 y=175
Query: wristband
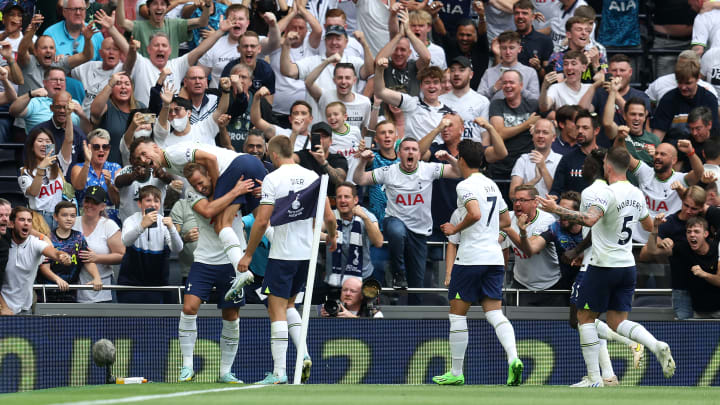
x=29 y=93
x=691 y=153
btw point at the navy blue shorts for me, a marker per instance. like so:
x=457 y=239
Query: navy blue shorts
x=248 y=167
x=607 y=288
x=472 y=283
x=576 y=286
x=285 y=278
x=203 y=277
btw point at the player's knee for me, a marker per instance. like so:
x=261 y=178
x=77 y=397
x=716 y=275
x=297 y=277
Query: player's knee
x=190 y=308
x=230 y=314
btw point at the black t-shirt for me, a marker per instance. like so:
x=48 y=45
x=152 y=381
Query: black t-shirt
x=568 y=174
x=703 y=294
x=334 y=160
x=673 y=228
x=479 y=54
x=444 y=193
x=673 y=12
x=535 y=42
x=673 y=105
x=518 y=144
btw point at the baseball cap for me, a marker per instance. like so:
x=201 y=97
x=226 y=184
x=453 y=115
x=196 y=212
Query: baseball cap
x=462 y=61
x=335 y=30
x=321 y=127
x=96 y=193
x=12 y=6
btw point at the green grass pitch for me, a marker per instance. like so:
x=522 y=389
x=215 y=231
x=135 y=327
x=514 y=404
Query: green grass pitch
x=216 y=394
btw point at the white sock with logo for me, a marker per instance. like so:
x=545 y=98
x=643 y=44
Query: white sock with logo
x=187 y=335
x=295 y=328
x=638 y=333
x=590 y=345
x=504 y=331
x=229 y=338
x=604 y=358
x=458 y=342
x=278 y=346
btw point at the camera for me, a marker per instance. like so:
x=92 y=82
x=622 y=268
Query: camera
x=332 y=302
x=370 y=292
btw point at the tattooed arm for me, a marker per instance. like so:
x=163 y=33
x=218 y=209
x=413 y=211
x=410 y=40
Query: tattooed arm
x=588 y=218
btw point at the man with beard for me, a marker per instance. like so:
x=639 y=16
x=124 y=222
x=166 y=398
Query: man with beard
x=656 y=182
x=462 y=99
x=255 y=145
x=470 y=41
x=536 y=46
x=641 y=142
x=568 y=175
x=697 y=263
x=56 y=124
x=24 y=257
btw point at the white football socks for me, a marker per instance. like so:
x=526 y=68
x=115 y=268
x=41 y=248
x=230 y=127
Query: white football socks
x=228 y=344
x=605 y=332
x=231 y=245
x=590 y=345
x=504 y=332
x=458 y=342
x=278 y=346
x=187 y=334
x=638 y=333
x=295 y=328
x=604 y=359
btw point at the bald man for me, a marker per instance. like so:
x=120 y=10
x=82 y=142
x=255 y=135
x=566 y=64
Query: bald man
x=203 y=105
x=537 y=167
x=56 y=124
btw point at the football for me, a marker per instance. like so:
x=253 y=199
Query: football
x=103 y=353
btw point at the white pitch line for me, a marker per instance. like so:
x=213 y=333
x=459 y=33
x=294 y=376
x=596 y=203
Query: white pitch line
x=157 y=396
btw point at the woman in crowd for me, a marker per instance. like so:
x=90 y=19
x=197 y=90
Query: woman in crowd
x=105 y=248
x=111 y=109
x=99 y=171
x=42 y=176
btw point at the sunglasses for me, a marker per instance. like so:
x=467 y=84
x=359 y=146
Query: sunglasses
x=97 y=146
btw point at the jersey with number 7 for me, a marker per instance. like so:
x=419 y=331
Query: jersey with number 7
x=623 y=205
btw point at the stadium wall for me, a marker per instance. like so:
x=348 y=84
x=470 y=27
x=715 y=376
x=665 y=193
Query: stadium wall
x=44 y=352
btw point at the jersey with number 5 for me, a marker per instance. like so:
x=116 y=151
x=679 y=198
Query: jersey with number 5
x=479 y=242
x=612 y=234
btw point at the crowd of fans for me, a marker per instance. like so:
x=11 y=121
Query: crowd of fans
x=377 y=94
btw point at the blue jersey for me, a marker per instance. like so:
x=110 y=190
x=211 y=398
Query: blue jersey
x=378 y=199
x=563 y=241
x=620 y=25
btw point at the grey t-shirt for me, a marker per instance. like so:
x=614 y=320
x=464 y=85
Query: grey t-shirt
x=406 y=78
x=33 y=73
x=518 y=144
x=183 y=215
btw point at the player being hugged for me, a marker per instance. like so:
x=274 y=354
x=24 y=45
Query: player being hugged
x=289 y=197
x=479 y=266
x=609 y=282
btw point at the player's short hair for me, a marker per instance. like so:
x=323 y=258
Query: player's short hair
x=524 y=5
x=577 y=55
x=63 y=205
x=249 y=34
x=344 y=65
x=257 y=132
x=420 y=17
x=619 y=158
x=700 y=113
x=586 y=12
x=46 y=75
x=593 y=166
x=191 y=168
x=574 y=20
x=566 y=113
x=517 y=73
x=697 y=194
x=583 y=113
x=336 y=12
x=4 y=202
x=711 y=149
x=695 y=221
x=149 y=2
x=242 y=66
x=351 y=186
x=98 y=133
x=573 y=196
x=237 y=7
x=280 y=145
x=464 y=22
x=529 y=188
x=687 y=70
x=337 y=104
x=473 y=153
x=509 y=36
x=302 y=103
x=149 y=191
x=620 y=57
x=18 y=209
x=383 y=122
x=159 y=34
x=137 y=142
x=430 y=71
x=407 y=139
x=687 y=56
x=636 y=101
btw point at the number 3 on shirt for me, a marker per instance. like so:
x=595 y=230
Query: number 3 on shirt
x=627 y=230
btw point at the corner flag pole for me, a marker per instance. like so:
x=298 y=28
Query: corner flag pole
x=319 y=214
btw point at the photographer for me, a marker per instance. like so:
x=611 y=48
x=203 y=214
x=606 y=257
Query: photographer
x=354 y=302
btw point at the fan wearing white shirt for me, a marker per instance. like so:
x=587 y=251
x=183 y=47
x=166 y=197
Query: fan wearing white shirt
x=466 y=102
x=568 y=91
x=357 y=105
x=537 y=167
x=173 y=125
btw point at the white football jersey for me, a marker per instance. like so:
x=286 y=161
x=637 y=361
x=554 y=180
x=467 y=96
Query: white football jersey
x=409 y=195
x=659 y=196
x=479 y=241
x=358 y=110
x=705 y=29
x=346 y=143
x=421 y=118
x=612 y=235
x=209 y=248
x=598 y=190
x=470 y=106
x=177 y=156
x=540 y=271
x=293 y=240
